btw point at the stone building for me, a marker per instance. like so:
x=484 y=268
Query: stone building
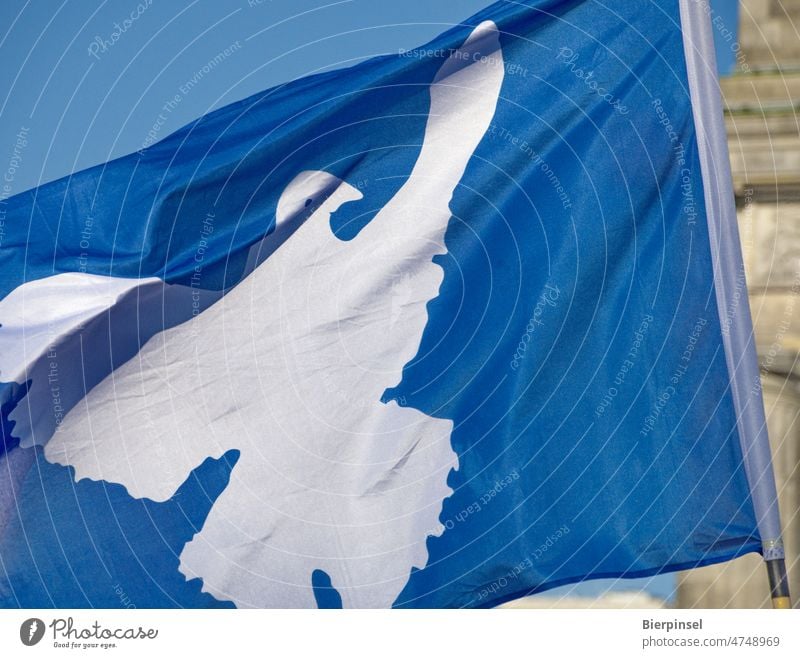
x=762 y=100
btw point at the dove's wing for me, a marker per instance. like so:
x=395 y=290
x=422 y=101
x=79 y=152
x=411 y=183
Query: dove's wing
x=371 y=293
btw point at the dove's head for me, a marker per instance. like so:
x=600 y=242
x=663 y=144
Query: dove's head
x=310 y=192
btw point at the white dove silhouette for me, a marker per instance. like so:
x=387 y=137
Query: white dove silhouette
x=289 y=368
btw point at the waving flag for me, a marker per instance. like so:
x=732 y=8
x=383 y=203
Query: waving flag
x=442 y=329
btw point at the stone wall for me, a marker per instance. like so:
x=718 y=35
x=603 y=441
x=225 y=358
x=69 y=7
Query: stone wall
x=767 y=32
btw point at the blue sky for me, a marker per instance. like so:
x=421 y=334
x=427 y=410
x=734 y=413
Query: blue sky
x=82 y=91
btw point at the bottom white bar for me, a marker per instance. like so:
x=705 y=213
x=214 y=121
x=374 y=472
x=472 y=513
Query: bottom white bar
x=385 y=634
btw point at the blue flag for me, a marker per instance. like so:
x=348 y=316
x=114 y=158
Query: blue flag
x=443 y=329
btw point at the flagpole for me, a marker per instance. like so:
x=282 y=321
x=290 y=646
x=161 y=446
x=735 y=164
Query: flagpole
x=738 y=334
x=778 y=584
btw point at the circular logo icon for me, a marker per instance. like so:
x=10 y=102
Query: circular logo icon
x=31 y=631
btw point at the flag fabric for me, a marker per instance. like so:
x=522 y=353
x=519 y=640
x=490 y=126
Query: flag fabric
x=438 y=330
